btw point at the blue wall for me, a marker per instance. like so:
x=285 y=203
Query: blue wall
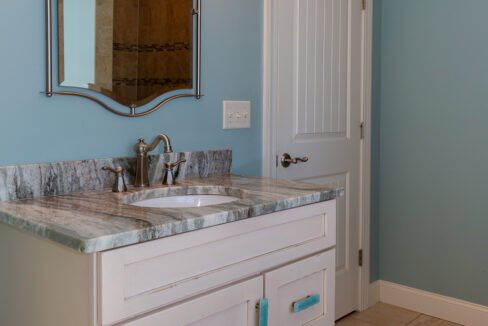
x=433 y=227
x=34 y=128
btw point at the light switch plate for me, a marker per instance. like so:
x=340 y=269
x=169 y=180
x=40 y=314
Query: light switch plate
x=237 y=114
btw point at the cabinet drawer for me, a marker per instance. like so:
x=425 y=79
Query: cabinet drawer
x=148 y=276
x=302 y=293
x=234 y=305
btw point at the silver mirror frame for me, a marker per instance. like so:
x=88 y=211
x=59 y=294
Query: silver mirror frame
x=132 y=110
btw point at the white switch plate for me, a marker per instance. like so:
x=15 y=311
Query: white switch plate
x=237 y=114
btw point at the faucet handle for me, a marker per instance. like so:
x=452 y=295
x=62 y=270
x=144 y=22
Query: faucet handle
x=119 y=185
x=169 y=175
x=117 y=170
x=172 y=165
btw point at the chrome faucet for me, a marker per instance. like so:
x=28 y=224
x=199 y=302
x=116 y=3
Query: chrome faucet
x=141 y=148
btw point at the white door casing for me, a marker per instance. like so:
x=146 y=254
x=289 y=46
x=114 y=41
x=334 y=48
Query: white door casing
x=314 y=97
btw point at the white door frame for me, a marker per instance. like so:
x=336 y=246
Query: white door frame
x=269 y=133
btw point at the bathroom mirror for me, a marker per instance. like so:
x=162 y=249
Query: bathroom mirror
x=132 y=51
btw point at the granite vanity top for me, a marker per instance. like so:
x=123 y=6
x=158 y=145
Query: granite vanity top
x=101 y=220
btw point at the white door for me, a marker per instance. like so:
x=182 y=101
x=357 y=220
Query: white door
x=234 y=305
x=315 y=97
x=302 y=293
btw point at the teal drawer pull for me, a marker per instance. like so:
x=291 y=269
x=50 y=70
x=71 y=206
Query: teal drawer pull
x=263 y=312
x=306 y=303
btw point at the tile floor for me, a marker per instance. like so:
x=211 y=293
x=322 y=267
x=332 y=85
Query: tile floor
x=383 y=314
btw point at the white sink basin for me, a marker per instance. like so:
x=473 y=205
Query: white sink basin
x=185 y=201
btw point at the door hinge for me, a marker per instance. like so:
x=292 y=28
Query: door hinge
x=362 y=129
x=363 y=4
x=277 y=163
x=360 y=257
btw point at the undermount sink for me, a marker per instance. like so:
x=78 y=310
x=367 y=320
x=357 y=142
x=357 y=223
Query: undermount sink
x=185 y=201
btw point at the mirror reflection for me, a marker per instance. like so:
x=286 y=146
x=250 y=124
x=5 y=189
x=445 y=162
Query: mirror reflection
x=129 y=50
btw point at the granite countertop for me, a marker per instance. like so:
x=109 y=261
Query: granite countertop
x=101 y=220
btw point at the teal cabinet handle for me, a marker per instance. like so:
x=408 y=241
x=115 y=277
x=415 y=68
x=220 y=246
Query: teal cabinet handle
x=263 y=312
x=306 y=303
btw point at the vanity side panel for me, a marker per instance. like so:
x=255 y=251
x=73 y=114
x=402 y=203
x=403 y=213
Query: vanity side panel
x=43 y=283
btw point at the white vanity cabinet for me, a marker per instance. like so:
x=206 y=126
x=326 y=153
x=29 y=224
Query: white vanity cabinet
x=220 y=275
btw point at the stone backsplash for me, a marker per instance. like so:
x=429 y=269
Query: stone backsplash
x=59 y=178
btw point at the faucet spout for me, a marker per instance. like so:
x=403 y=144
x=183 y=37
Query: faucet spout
x=141 y=149
x=161 y=138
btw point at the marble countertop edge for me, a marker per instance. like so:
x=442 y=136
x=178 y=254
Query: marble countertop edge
x=107 y=223
x=43 y=231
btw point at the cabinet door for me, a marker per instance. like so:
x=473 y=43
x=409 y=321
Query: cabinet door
x=234 y=305
x=302 y=293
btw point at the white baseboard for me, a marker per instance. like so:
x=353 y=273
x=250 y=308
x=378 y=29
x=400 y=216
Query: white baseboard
x=450 y=309
x=374 y=293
